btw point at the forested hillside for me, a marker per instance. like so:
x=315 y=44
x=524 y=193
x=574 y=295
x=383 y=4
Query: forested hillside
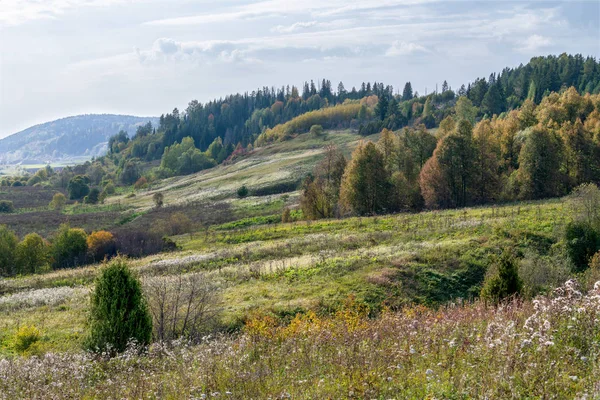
x=309 y=244
x=82 y=135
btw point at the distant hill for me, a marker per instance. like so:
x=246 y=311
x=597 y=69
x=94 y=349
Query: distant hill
x=66 y=138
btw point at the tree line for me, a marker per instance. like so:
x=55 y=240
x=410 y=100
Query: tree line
x=72 y=247
x=533 y=152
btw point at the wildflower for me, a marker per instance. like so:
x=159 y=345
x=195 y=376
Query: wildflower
x=549 y=343
x=584 y=358
x=429 y=372
x=573 y=378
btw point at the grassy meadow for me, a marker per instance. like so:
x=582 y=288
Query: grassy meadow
x=373 y=307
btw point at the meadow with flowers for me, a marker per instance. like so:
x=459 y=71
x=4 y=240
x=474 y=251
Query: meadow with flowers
x=371 y=307
x=544 y=348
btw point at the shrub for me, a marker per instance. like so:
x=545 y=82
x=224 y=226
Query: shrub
x=8 y=243
x=93 y=197
x=595 y=261
x=316 y=131
x=118 y=312
x=584 y=204
x=592 y=275
x=78 y=187
x=275 y=188
x=69 y=247
x=141 y=243
x=506 y=283
x=32 y=254
x=242 y=191
x=58 y=201
x=109 y=188
x=181 y=306
x=179 y=223
x=130 y=173
x=141 y=183
x=26 y=339
x=582 y=241
x=6 y=206
x=158 y=199
x=286 y=216
x=101 y=244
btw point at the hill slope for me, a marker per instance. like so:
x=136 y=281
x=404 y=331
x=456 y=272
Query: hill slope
x=81 y=135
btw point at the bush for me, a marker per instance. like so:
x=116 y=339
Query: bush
x=506 y=283
x=130 y=173
x=6 y=206
x=242 y=192
x=582 y=241
x=316 y=131
x=101 y=244
x=141 y=183
x=8 y=243
x=275 y=188
x=109 y=188
x=93 y=197
x=58 y=201
x=32 y=254
x=26 y=339
x=141 y=243
x=592 y=275
x=78 y=187
x=159 y=199
x=181 y=306
x=69 y=247
x=118 y=312
x=286 y=216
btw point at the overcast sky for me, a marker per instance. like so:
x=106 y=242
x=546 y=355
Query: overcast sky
x=66 y=57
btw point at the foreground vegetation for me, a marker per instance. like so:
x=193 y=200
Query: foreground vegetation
x=284 y=269
x=244 y=281
x=547 y=348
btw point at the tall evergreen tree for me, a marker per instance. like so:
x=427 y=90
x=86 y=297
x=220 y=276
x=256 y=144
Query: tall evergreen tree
x=118 y=311
x=407 y=93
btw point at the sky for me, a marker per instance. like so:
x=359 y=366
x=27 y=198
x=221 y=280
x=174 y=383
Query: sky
x=67 y=57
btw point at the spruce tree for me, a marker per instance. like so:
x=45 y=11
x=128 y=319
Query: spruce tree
x=407 y=93
x=119 y=312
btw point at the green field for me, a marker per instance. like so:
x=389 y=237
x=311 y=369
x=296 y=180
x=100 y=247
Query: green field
x=363 y=293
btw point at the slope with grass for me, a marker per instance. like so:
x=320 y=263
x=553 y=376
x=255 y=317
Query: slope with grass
x=283 y=269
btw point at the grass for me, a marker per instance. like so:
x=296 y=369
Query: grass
x=392 y=261
x=546 y=349
x=313 y=309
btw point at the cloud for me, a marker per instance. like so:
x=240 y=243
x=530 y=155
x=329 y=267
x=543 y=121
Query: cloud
x=400 y=48
x=294 y=27
x=211 y=18
x=17 y=12
x=165 y=50
x=534 y=43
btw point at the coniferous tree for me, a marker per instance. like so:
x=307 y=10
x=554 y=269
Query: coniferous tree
x=118 y=313
x=407 y=93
